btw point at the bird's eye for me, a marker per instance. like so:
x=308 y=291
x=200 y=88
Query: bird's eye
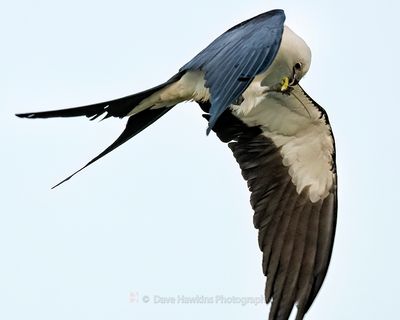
x=298 y=66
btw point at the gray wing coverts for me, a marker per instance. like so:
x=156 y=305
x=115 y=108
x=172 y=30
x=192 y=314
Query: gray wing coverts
x=232 y=61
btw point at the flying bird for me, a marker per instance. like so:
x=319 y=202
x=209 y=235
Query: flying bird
x=247 y=83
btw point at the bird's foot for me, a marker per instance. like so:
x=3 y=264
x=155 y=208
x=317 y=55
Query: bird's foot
x=285 y=86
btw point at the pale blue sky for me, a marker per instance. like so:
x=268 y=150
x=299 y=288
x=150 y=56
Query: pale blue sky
x=168 y=213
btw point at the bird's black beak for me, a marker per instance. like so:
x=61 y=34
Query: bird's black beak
x=293 y=81
x=295 y=75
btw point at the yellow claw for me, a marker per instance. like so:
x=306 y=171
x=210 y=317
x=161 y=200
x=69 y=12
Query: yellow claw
x=285 y=84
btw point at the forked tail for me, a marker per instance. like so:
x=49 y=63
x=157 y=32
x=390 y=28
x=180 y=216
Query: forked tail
x=115 y=108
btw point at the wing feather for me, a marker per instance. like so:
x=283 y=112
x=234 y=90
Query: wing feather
x=295 y=234
x=232 y=61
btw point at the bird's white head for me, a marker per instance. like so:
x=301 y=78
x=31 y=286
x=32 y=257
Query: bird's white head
x=296 y=53
x=293 y=59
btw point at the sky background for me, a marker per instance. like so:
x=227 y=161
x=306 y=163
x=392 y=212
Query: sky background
x=168 y=213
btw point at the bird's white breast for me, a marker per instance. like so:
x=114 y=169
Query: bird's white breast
x=298 y=128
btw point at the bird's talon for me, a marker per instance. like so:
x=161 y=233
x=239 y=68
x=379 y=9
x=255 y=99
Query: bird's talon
x=284 y=84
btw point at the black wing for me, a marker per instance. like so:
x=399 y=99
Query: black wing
x=295 y=234
x=232 y=61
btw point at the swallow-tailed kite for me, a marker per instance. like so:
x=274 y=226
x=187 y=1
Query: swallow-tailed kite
x=246 y=82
